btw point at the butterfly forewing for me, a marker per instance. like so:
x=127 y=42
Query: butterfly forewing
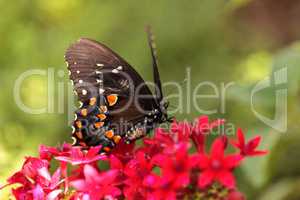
x=98 y=72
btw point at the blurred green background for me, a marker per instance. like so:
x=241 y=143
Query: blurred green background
x=222 y=41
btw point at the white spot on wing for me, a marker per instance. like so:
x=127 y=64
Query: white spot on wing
x=115 y=71
x=74 y=140
x=80 y=81
x=99 y=65
x=77 y=71
x=84 y=92
x=101 y=91
x=98 y=72
x=119 y=68
x=73 y=128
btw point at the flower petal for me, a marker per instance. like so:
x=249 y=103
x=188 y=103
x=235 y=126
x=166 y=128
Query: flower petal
x=90 y=173
x=205 y=179
x=182 y=180
x=107 y=177
x=43 y=172
x=257 y=153
x=203 y=161
x=79 y=185
x=226 y=178
x=232 y=161
x=151 y=181
x=241 y=138
x=253 y=143
x=217 y=149
x=93 y=151
x=53 y=195
x=38 y=193
x=113 y=191
x=236 y=144
x=115 y=163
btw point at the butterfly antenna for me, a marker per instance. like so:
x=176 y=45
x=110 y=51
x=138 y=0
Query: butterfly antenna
x=158 y=90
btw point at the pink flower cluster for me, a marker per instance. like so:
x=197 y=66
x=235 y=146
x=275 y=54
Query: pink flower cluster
x=171 y=165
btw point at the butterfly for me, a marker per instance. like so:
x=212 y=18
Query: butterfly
x=116 y=103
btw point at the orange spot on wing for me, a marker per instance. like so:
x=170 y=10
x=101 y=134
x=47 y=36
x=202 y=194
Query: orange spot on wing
x=107 y=149
x=117 y=139
x=101 y=116
x=99 y=124
x=109 y=134
x=112 y=99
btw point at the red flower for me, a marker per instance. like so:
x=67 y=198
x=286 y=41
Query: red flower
x=182 y=130
x=123 y=151
x=119 y=166
x=136 y=170
x=38 y=193
x=33 y=166
x=77 y=156
x=247 y=149
x=36 y=181
x=47 y=153
x=97 y=185
x=162 y=167
x=176 y=167
x=201 y=128
x=160 y=188
x=217 y=166
x=161 y=141
x=235 y=195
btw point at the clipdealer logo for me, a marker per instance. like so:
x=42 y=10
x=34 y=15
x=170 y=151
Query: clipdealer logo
x=278 y=80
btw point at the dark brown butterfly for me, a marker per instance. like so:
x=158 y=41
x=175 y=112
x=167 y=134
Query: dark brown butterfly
x=115 y=101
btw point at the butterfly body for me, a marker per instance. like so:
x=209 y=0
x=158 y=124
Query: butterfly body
x=115 y=101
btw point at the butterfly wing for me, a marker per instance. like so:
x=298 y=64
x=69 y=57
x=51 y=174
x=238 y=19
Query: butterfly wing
x=102 y=78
